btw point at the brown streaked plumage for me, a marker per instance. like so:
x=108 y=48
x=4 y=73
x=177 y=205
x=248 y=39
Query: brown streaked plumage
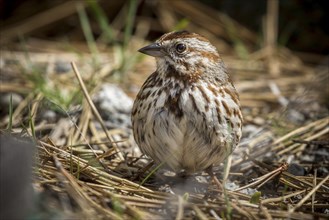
x=187 y=113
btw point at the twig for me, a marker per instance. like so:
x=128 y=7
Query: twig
x=299 y=131
x=100 y=175
x=282 y=198
x=180 y=208
x=272 y=35
x=310 y=138
x=266 y=213
x=311 y=142
x=314 y=184
x=74 y=189
x=301 y=202
x=265 y=178
x=199 y=213
x=94 y=109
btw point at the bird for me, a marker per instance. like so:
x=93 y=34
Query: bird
x=187 y=114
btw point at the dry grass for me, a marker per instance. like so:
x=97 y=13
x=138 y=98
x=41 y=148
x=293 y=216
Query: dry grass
x=89 y=171
x=77 y=161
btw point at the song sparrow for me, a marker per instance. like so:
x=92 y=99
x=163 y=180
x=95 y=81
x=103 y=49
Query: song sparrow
x=187 y=114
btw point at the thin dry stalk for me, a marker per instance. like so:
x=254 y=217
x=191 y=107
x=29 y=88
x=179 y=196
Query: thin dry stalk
x=265 y=178
x=94 y=109
x=180 y=208
x=301 y=202
x=272 y=35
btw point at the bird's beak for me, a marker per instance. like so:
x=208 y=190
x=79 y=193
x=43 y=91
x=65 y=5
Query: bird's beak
x=154 y=50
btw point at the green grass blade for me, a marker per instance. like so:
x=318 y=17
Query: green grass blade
x=102 y=20
x=130 y=21
x=151 y=173
x=88 y=33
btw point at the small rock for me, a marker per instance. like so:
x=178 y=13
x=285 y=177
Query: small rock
x=250 y=130
x=249 y=191
x=114 y=105
x=307 y=158
x=259 y=121
x=49 y=115
x=322 y=152
x=5 y=99
x=295 y=116
x=62 y=67
x=231 y=186
x=201 y=179
x=323 y=171
x=296 y=170
x=169 y=173
x=166 y=188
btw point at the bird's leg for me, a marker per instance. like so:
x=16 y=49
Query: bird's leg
x=214 y=178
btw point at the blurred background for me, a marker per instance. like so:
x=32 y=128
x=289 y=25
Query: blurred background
x=256 y=38
x=302 y=24
x=276 y=52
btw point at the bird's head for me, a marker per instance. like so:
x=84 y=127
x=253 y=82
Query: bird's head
x=184 y=53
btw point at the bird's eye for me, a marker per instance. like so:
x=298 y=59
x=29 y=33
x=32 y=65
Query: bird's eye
x=180 y=48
